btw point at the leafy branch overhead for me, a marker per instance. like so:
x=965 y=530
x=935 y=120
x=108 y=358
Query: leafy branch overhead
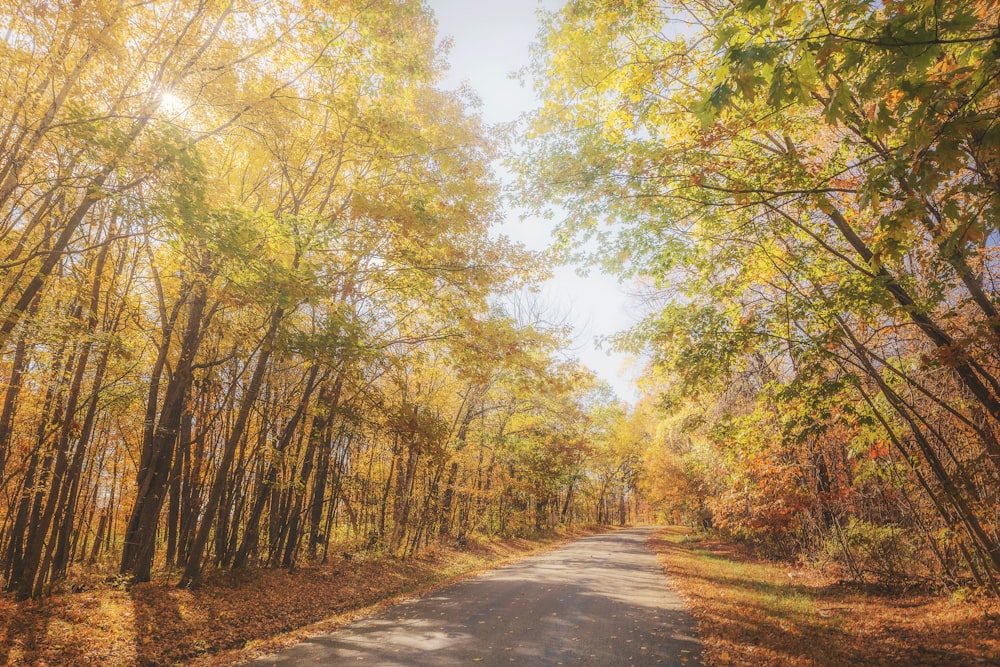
x=808 y=193
x=252 y=308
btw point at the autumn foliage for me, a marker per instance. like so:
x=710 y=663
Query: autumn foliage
x=808 y=194
x=250 y=304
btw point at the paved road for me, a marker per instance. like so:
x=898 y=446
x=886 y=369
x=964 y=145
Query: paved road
x=600 y=600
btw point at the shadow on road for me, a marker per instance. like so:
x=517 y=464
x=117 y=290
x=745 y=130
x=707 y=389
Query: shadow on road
x=601 y=600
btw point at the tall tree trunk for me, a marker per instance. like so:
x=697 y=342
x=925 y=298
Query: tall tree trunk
x=974 y=377
x=444 y=529
x=298 y=498
x=67 y=501
x=10 y=401
x=192 y=569
x=158 y=446
x=251 y=533
x=36 y=479
x=330 y=403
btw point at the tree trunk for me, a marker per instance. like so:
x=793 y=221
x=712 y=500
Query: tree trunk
x=251 y=533
x=192 y=569
x=158 y=447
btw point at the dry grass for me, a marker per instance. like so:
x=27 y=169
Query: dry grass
x=231 y=618
x=752 y=612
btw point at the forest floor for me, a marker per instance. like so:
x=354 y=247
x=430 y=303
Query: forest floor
x=233 y=617
x=762 y=613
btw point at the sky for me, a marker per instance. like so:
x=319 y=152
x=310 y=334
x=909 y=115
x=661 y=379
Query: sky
x=490 y=42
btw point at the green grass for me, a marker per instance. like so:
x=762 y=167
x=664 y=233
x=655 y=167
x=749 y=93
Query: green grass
x=762 y=613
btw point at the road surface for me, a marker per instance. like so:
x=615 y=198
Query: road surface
x=601 y=600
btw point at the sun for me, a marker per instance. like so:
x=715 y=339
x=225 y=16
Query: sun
x=172 y=105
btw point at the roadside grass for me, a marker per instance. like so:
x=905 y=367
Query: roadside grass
x=762 y=613
x=234 y=617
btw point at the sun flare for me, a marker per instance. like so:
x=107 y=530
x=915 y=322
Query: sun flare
x=172 y=105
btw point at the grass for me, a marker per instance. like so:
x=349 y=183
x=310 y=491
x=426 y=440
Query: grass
x=232 y=618
x=761 y=613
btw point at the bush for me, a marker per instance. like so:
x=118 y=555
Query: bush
x=870 y=552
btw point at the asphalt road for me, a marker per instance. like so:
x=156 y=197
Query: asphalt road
x=601 y=600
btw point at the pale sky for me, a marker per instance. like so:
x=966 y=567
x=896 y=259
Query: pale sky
x=490 y=41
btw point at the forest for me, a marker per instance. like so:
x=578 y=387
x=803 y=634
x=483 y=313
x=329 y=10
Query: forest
x=807 y=195
x=253 y=306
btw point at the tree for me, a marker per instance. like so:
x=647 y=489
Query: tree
x=808 y=189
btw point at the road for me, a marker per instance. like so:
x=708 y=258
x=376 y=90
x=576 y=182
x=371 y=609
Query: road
x=600 y=600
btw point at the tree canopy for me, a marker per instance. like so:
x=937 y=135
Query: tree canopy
x=251 y=304
x=808 y=191
x=254 y=306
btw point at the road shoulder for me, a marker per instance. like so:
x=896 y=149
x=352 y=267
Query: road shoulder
x=354 y=591
x=769 y=614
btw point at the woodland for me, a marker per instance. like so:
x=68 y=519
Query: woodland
x=807 y=194
x=250 y=305
x=253 y=312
